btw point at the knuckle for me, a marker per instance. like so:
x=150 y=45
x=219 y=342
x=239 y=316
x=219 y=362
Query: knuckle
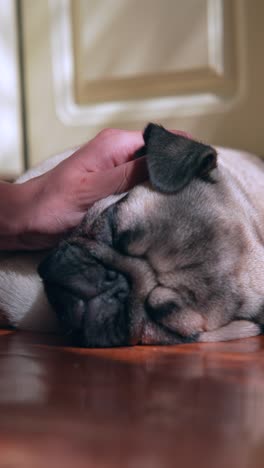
x=108 y=132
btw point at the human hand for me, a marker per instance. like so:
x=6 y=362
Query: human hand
x=58 y=199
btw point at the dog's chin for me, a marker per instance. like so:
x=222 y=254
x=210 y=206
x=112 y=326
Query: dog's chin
x=154 y=334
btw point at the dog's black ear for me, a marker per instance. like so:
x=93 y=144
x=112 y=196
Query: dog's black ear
x=174 y=160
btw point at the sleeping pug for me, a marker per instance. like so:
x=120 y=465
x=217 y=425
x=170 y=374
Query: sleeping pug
x=178 y=259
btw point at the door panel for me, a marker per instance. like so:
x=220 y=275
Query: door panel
x=151 y=51
x=195 y=65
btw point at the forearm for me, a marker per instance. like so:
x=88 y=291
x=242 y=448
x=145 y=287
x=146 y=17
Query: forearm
x=14 y=200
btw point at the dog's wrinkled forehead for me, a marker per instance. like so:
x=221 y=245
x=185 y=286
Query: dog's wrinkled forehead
x=174 y=206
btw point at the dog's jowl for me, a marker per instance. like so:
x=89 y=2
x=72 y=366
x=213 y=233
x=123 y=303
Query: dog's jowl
x=177 y=259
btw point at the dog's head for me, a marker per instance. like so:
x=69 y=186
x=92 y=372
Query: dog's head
x=167 y=263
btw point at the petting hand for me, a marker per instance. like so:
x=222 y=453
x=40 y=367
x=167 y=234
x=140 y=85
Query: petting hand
x=58 y=199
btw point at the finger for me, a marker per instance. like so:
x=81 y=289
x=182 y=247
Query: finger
x=117 y=180
x=131 y=174
x=109 y=149
x=124 y=146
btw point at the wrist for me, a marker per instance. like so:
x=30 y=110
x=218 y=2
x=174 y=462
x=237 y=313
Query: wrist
x=15 y=203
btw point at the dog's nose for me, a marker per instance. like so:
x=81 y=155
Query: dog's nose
x=88 y=297
x=72 y=267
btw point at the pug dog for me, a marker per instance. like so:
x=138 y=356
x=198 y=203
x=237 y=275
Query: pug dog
x=178 y=259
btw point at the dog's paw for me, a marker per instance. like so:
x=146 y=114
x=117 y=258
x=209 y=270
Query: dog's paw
x=89 y=298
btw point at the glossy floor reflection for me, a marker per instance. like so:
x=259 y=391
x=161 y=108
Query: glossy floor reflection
x=143 y=407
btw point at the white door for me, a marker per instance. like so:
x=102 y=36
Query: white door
x=196 y=65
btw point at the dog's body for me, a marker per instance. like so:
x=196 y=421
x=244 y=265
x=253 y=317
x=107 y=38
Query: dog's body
x=179 y=258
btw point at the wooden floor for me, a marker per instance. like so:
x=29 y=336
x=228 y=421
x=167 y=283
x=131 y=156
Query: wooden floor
x=143 y=407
